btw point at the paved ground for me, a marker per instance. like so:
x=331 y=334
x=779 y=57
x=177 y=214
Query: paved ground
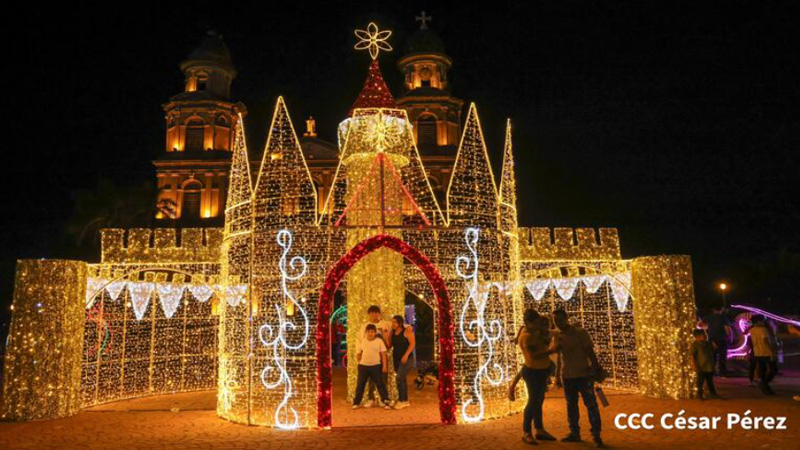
x=148 y=423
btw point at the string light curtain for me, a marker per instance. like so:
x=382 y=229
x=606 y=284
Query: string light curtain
x=166 y=344
x=590 y=301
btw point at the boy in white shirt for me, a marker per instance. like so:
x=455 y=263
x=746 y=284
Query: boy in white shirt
x=371 y=366
x=382 y=331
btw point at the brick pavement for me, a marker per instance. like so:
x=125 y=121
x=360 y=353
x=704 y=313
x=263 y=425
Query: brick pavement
x=148 y=423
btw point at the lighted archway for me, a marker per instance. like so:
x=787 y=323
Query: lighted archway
x=447 y=393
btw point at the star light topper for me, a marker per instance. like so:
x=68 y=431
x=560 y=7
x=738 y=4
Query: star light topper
x=373 y=40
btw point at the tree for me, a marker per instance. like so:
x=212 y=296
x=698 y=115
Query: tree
x=110 y=206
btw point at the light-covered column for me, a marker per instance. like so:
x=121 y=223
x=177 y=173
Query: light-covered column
x=42 y=373
x=664 y=316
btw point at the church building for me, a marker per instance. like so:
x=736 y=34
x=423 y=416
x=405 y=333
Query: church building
x=192 y=171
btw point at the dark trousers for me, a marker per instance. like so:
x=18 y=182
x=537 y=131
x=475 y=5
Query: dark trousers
x=536 y=382
x=721 y=356
x=401 y=377
x=581 y=386
x=766 y=370
x=374 y=374
x=708 y=379
x=371 y=385
x=751 y=368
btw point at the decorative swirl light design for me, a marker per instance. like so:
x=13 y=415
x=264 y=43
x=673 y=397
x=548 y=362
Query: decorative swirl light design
x=477 y=333
x=276 y=337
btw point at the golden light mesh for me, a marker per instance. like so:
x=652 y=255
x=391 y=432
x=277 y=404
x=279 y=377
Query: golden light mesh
x=512 y=288
x=472 y=198
x=611 y=329
x=665 y=317
x=171 y=347
x=266 y=355
x=42 y=369
x=233 y=388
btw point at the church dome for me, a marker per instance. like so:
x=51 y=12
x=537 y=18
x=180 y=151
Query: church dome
x=424 y=41
x=212 y=51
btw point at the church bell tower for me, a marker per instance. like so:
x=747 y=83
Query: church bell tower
x=193 y=170
x=434 y=112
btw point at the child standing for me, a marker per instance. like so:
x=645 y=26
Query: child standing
x=371 y=366
x=703 y=363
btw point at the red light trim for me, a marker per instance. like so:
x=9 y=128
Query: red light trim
x=447 y=392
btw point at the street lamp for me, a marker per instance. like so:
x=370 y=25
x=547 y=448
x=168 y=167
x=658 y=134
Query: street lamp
x=723 y=287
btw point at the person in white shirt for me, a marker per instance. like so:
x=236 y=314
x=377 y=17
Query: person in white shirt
x=382 y=331
x=372 y=366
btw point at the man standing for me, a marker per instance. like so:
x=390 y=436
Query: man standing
x=382 y=331
x=764 y=352
x=718 y=331
x=578 y=363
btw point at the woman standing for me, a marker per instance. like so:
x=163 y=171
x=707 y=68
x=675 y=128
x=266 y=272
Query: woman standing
x=534 y=341
x=402 y=344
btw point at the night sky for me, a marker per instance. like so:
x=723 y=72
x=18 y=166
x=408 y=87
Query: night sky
x=676 y=122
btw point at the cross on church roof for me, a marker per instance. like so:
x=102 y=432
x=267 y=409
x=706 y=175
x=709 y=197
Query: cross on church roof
x=424 y=20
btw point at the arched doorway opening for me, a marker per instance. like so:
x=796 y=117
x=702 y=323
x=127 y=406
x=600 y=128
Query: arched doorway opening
x=447 y=394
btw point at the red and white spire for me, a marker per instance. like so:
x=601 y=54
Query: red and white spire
x=375 y=93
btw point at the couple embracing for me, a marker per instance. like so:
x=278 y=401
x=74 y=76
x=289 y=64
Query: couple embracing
x=579 y=370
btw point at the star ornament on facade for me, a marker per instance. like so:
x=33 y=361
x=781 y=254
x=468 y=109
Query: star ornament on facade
x=373 y=40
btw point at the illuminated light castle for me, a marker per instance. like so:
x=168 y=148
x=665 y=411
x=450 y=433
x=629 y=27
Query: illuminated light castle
x=246 y=309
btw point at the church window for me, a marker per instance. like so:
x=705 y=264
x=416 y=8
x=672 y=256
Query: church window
x=194 y=135
x=191 y=200
x=426 y=131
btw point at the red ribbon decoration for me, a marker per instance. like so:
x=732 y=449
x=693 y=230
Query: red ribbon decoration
x=447 y=391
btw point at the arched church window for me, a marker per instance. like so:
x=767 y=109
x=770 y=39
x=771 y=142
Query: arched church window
x=425 y=75
x=191 y=200
x=194 y=134
x=426 y=131
x=222 y=121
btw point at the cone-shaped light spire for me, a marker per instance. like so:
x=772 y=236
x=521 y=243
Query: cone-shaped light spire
x=375 y=93
x=508 y=186
x=240 y=187
x=472 y=194
x=284 y=194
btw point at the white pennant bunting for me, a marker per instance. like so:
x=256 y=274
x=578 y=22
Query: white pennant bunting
x=593 y=282
x=115 y=288
x=620 y=289
x=566 y=287
x=202 y=292
x=93 y=286
x=170 y=295
x=538 y=288
x=235 y=294
x=140 y=297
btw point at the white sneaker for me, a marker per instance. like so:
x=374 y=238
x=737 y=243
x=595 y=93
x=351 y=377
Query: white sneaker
x=401 y=405
x=356 y=406
x=387 y=405
x=369 y=404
